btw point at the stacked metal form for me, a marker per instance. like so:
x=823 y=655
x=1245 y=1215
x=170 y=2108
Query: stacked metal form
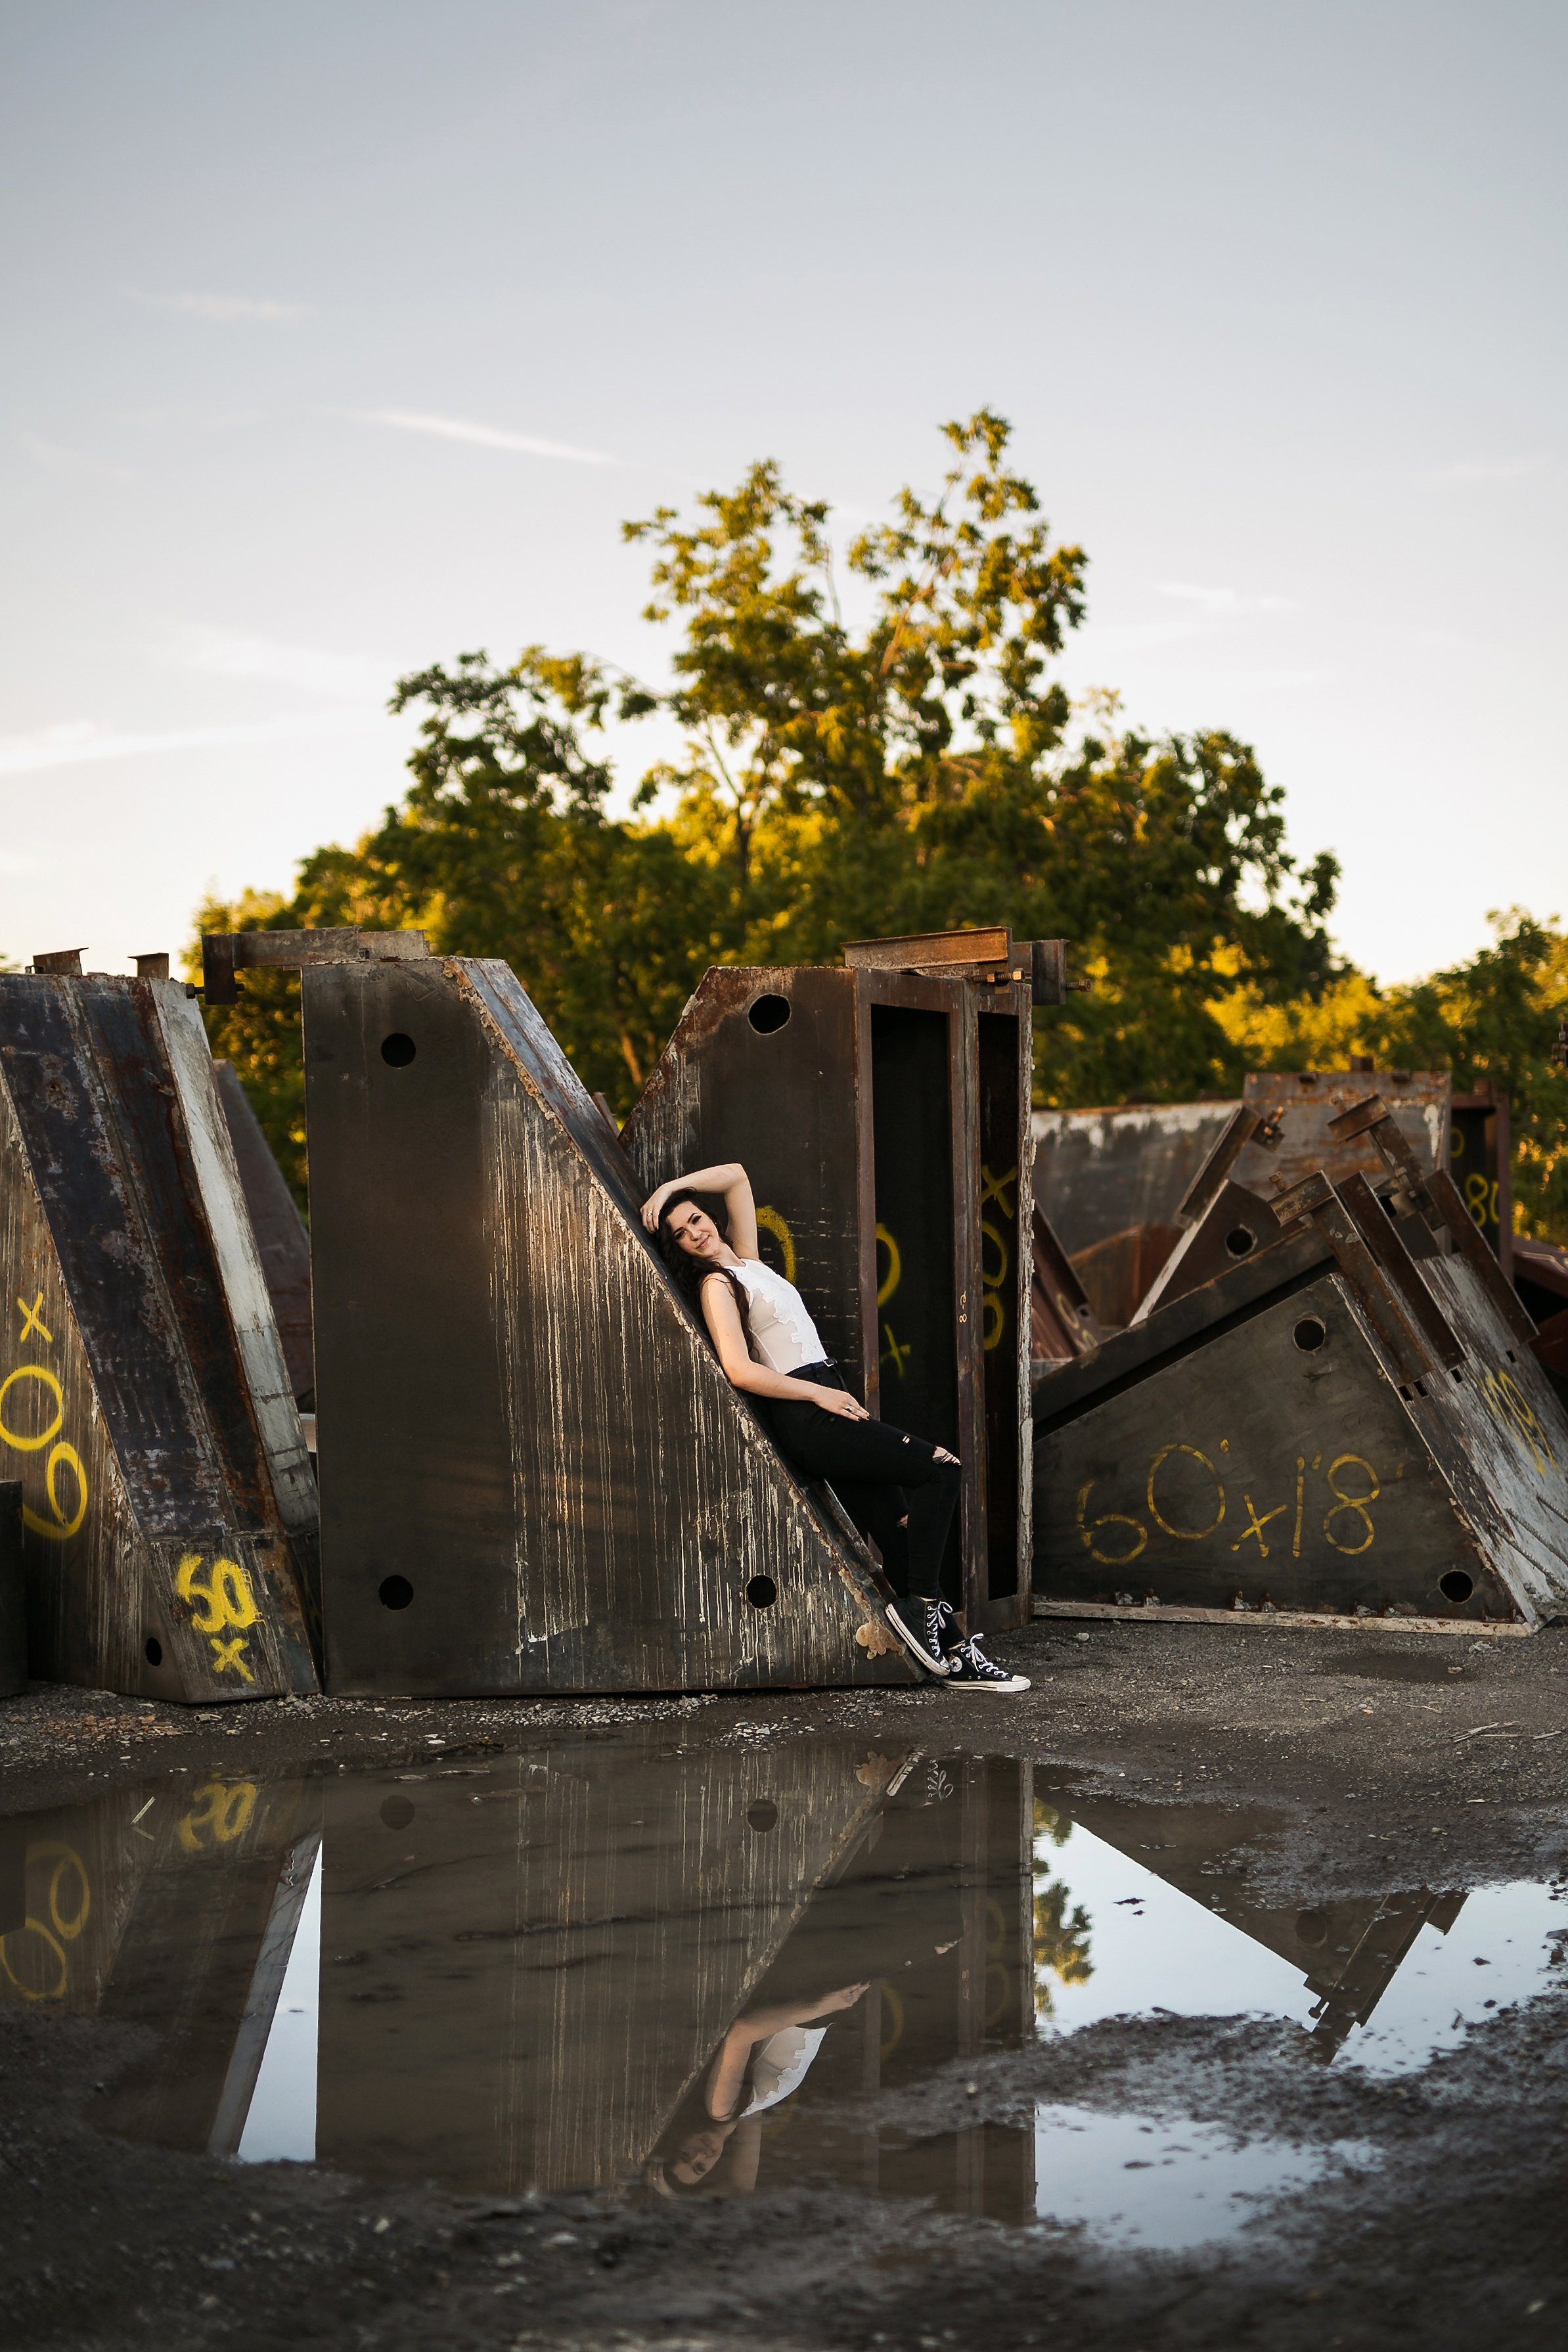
x=882 y=1113
x=1347 y=1424
x=168 y=1508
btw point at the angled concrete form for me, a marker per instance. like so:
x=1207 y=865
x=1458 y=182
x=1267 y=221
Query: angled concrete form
x=1348 y=1425
x=883 y=1115
x=534 y=1474
x=169 y=1504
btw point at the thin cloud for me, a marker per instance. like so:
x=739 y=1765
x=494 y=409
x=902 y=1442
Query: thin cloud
x=230 y=653
x=1465 y=471
x=483 y=436
x=1221 y=603
x=222 y=310
x=77 y=742
x=61 y=460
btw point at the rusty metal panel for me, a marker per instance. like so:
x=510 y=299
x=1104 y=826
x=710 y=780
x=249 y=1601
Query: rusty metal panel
x=169 y=1505
x=874 y=1110
x=1234 y=1223
x=1306 y=1102
x=1348 y=1425
x=1062 y=1323
x=282 y=1242
x=534 y=1474
x=1099 y=1173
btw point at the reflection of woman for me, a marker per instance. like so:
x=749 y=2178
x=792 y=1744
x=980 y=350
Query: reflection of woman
x=898 y=1488
x=762 y=2059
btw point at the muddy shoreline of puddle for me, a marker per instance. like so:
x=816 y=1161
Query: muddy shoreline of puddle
x=1151 y=1865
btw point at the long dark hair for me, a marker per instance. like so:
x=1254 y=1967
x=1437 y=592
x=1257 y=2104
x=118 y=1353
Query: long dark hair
x=690 y=1272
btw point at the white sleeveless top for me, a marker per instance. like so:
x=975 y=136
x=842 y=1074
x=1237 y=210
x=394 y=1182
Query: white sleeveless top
x=781 y=2065
x=785 y=1335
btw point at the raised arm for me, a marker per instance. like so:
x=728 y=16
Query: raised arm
x=727 y=1177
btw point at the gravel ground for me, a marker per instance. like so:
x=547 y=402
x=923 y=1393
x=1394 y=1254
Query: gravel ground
x=1380 y=1764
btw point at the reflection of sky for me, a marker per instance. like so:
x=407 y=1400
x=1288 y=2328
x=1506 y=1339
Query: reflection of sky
x=1151 y=1947
x=1144 y=2182
x=282 y=2118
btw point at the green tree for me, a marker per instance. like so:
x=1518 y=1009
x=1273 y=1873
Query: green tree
x=1494 y=1015
x=916 y=768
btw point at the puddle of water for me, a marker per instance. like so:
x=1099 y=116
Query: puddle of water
x=1143 y=2181
x=609 y=1959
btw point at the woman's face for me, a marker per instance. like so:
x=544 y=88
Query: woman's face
x=698 y=2156
x=694 y=1229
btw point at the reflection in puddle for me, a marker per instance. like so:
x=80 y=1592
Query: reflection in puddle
x=612 y=1959
x=1145 y=2181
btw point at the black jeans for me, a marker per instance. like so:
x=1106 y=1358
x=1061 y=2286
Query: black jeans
x=890 y=1483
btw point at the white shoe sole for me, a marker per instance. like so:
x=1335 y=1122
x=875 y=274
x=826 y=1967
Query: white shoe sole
x=1012 y=1688
x=937 y=1673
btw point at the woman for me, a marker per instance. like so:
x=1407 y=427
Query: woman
x=715 y=2140
x=898 y=1488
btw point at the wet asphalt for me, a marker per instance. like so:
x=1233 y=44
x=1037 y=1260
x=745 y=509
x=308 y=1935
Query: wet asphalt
x=1380 y=1760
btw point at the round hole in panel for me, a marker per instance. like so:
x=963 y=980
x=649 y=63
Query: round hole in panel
x=398 y=1050
x=762 y=1592
x=395 y=1592
x=763 y=1815
x=767 y=1014
x=1456 y=1586
x=1310 y=1334
x=152 y=1650
x=397 y=1812
x=1312 y=1927
x=1239 y=1240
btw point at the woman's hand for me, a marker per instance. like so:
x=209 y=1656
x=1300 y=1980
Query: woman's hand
x=653 y=1204
x=837 y=1400
x=845 y=1998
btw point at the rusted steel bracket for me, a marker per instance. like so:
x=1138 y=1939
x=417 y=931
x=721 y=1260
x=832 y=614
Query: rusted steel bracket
x=1244 y=1126
x=1316 y=1199
x=991 y=956
x=1061 y=1321
x=224 y=953
x=1438 y=1200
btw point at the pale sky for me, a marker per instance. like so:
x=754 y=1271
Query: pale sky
x=342 y=337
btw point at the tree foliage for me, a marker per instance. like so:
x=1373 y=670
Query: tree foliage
x=1493 y=1016
x=916 y=766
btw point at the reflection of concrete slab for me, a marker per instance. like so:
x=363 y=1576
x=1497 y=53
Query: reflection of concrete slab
x=1348 y=1952
x=524 y=1964
x=176 y=1911
x=534 y=1475
x=170 y=1507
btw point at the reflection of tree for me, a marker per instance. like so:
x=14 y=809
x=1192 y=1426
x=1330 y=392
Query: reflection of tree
x=1061 y=1937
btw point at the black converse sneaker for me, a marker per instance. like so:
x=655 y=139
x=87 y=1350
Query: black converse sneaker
x=968 y=1668
x=921 y=1626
